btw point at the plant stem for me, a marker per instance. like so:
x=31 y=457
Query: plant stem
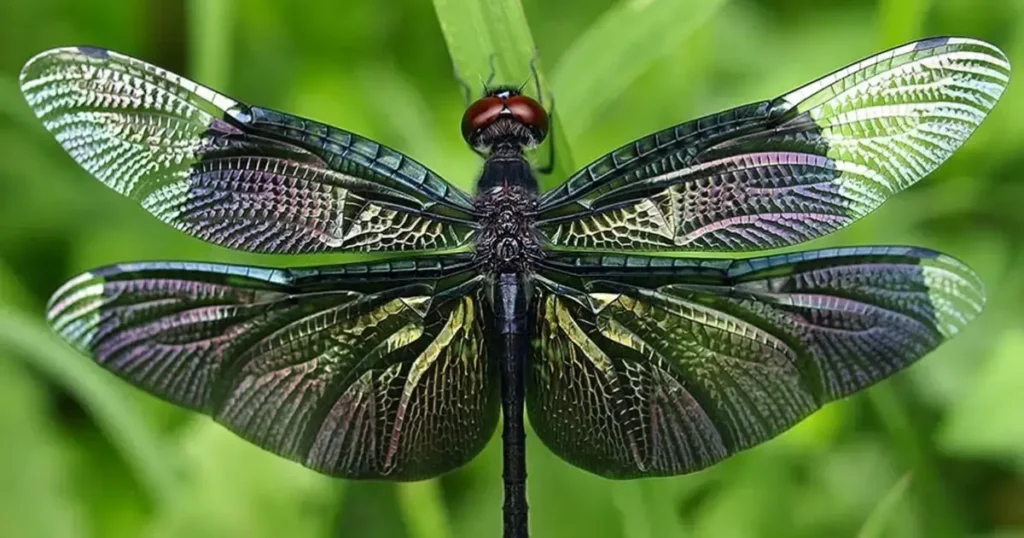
x=480 y=33
x=210 y=39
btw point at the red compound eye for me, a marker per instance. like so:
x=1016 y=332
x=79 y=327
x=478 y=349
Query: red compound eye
x=529 y=113
x=481 y=114
x=487 y=110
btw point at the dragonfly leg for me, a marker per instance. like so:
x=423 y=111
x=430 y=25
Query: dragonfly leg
x=550 y=165
x=492 y=74
x=467 y=91
x=536 y=77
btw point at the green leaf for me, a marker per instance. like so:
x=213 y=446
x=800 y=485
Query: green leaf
x=12 y=104
x=233 y=488
x=880 y=517
x=481 y=32
x=476 y=29
x=35 y=500
x=916 y=453
x=629 y=500
x=209 y=27
x=622 y=45
x=12 y=293
x=423 y=509
x=901 y=20
x=986 y=421
x=566 y=500
x=28 y=338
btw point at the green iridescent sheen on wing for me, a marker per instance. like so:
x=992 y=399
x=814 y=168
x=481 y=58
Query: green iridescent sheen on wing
x=658 y=366
x=359 y=371
x=781 y=172
x=239 y=176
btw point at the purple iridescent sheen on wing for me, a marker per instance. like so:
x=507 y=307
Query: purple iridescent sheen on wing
x=360 y=371
x=658 y=366
x=239 y=176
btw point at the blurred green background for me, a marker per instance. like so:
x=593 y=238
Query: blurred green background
x=937 y=451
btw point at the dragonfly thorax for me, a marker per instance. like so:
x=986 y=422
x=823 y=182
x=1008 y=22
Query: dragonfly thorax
x=507 y=241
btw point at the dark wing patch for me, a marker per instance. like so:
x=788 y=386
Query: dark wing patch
x=239 y=176
x=359 y=371
x=785 y=171
x=655 y=366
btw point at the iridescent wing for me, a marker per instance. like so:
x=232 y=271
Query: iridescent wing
x=238 y=175
x=660 y=366
x=780 y=172
x=359 y=371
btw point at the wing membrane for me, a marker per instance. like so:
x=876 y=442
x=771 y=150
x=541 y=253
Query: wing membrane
x=359 y=371
x=657 y=366
x=780 y=172
x=239 y=176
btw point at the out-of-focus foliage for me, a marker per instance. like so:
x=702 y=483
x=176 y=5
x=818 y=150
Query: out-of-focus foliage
x=936 y=452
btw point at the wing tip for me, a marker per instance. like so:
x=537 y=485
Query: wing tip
x=960 y=42
x=67 y=288
x=956 y=292
x=73 y=311
x=996 y=56
x=993 y=50
x=75 y=50
x=36 y=65
x=228 y=105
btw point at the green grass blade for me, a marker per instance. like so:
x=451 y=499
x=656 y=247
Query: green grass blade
x=97 y=391
x=985 y=422
x=232 y=488
x=37 y=499
x=901 y=20
x=476 y=30
x=209 y=33
x=629 y=499
x=622 y=45
x=875 y=525
x=931 y=491
x=423 y=509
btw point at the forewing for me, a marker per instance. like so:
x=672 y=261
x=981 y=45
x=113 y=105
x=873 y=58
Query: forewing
x=781 y=172
x=358 y=371
x=239 y=176
x=658 y=366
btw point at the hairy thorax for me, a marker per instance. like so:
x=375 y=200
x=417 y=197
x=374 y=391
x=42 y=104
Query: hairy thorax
x=507 y=241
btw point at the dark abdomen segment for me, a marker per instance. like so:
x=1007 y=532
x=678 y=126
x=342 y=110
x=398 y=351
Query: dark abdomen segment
x=507 y=248
x=511 y=303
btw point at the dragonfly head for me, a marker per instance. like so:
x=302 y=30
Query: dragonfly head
x=504 y=115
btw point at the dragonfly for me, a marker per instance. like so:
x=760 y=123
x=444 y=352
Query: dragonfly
x=572 y=306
